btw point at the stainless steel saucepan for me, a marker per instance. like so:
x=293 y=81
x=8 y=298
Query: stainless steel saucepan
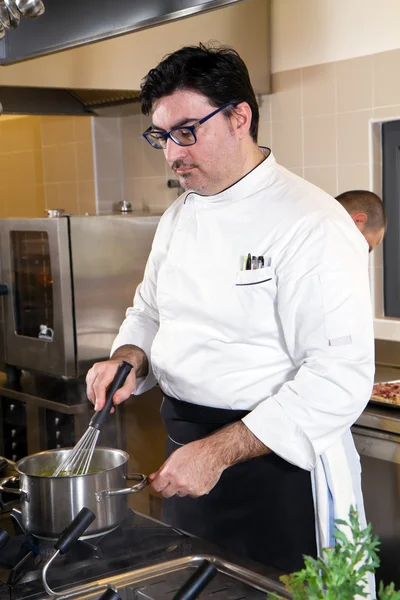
x=49 y=503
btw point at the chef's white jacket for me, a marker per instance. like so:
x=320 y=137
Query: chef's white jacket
x=292 y=342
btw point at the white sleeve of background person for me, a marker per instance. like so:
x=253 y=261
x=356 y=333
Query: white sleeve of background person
x=324 y=309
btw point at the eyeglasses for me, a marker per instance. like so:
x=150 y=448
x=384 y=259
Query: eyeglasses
x=183 y=136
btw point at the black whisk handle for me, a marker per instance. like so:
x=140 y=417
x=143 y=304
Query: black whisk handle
x=123 y=371
x=74 y=530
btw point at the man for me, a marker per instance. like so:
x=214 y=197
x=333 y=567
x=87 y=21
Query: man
x=367 y=211
x=254 y=317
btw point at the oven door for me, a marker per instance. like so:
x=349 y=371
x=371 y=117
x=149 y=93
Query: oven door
x=38 y=309
x=380 y=463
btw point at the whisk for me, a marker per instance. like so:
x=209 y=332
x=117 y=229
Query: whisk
x=79 y=458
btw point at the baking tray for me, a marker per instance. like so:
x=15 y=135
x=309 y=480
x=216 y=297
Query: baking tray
x=383 y=402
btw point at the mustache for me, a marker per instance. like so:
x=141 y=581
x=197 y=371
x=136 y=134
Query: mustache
x=181 y=163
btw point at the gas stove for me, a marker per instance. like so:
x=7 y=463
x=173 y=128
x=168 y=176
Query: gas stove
x=138 y=541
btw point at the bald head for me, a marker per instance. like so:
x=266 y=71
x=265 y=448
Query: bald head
x=367 y=212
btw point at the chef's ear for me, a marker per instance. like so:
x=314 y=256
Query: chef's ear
x=360 y=219
x=241 y=118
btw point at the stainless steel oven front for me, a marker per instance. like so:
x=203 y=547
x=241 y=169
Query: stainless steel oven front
x=38 y=305
x=67 y=284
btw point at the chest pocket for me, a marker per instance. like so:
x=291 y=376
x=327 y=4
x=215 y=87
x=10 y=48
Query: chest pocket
x=255 y=277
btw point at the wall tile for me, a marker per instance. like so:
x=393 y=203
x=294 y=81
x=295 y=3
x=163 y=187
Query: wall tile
x=51 y=195
x=286 y=97
x=318 y=84
x=386 y=81
x=68 y=197
x=353 y=177
x=56 y=130
x=152 y=161
x=353 y=137
x=110 y=193
x=86 y=197
x=67 y=162
x=264 y=107
x=387 y=112
x=84 y=161
x=354 y=84
x=287 y=145
x=82 y=129
x=135 y=192
x=108 y=156
x=51 y=168
x=265 y=134
x=320 y=141
x=323 y=177
x=133 y=146
x=107 y=128
x=298 y=171
x=26 y=163
x=157 y=195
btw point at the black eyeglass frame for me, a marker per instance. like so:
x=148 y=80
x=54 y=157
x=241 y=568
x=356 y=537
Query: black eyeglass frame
x=191 y=128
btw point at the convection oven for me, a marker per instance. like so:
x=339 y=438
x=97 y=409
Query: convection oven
x=65 y=284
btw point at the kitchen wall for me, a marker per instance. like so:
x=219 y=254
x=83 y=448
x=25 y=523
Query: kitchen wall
x=21 y=171
x=46 y=162
x=128 y=168
x=309 y=32
x=68 y=164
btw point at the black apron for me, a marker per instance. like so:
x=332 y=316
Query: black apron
x=261 y=508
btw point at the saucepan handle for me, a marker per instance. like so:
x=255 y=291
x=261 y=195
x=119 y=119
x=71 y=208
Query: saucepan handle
x=139 y=477
x=7 y=490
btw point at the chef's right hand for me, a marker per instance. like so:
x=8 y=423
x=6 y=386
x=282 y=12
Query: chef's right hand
x=99 y=378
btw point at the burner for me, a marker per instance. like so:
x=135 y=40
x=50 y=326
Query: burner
x=138 y=541
x=16 y=518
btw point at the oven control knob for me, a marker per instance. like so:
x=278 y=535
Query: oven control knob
x=14 y=457
x=13 y=445
x=12 y=406
x=56 y=420
x=13 y=432
x=57 y=435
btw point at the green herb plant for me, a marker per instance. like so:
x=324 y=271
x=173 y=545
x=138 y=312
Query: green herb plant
x=341 y=571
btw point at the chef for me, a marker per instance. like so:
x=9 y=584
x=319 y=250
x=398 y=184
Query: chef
x=368 y=213
x=254 y=318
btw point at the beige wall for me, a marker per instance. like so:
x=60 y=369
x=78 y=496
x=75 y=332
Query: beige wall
x=46 y=162
x=122 y=62
x=309 y=32
x=317 y=119
x=68 y=165
x=21 y=172
x=127 y=168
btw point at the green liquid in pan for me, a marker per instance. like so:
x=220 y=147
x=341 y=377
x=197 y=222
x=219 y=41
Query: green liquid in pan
x=50 y=472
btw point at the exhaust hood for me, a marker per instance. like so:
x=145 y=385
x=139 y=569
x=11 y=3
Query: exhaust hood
x=55 y=101
x=68 y=24
x=71 y=23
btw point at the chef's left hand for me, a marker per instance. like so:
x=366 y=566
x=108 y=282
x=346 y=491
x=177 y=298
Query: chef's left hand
x=192 y=470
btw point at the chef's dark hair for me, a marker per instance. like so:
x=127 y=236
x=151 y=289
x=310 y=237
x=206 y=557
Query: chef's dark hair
x=364 y=201
x=217 y=72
